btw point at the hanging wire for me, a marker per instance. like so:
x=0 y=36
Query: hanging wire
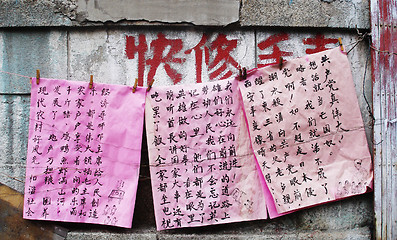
x=15 y=74
x=381 y=51
x=361 y=37
x=365 y=97
x=13 y=178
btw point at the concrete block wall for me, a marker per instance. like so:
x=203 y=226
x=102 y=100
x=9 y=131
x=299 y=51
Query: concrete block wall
x=72 y=39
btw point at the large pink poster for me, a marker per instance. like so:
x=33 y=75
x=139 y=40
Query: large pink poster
x=202 y=167
x=84 y=152
x=306 y=130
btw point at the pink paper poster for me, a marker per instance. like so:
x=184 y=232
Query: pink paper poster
x=306 y=130
x=202 y=167
x=84 y=152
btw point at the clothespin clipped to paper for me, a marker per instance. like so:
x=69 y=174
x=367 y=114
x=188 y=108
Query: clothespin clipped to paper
x=37 y=76
x=135 y=85
x=340 y=44
x=280 y=64
x=242 y=73
x=91 y=81
x=150 y=85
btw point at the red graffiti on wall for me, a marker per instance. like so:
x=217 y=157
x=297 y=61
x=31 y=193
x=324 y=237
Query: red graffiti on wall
x=223 y=47
x=199 y=49
x=219 y=67
x=215 y=54
x=277 y=53
x=131 y=49
x=158 y=47
x=319 y=42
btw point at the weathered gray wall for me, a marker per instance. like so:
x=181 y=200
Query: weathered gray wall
x=290 y=13
x=64 y=48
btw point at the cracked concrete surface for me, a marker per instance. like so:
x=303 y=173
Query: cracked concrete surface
x=273 y=13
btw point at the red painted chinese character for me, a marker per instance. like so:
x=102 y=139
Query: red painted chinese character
x=198 y=49
x=158 y=47
x=277 y=53
x=223 y=46
x=319 y=41
x=131 y=49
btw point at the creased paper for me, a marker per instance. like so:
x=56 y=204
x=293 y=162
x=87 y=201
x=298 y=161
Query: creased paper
x=306 y=131
x=202 y=167
x=84 y=152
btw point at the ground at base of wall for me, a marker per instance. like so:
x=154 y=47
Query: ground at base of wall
x=352 y=234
